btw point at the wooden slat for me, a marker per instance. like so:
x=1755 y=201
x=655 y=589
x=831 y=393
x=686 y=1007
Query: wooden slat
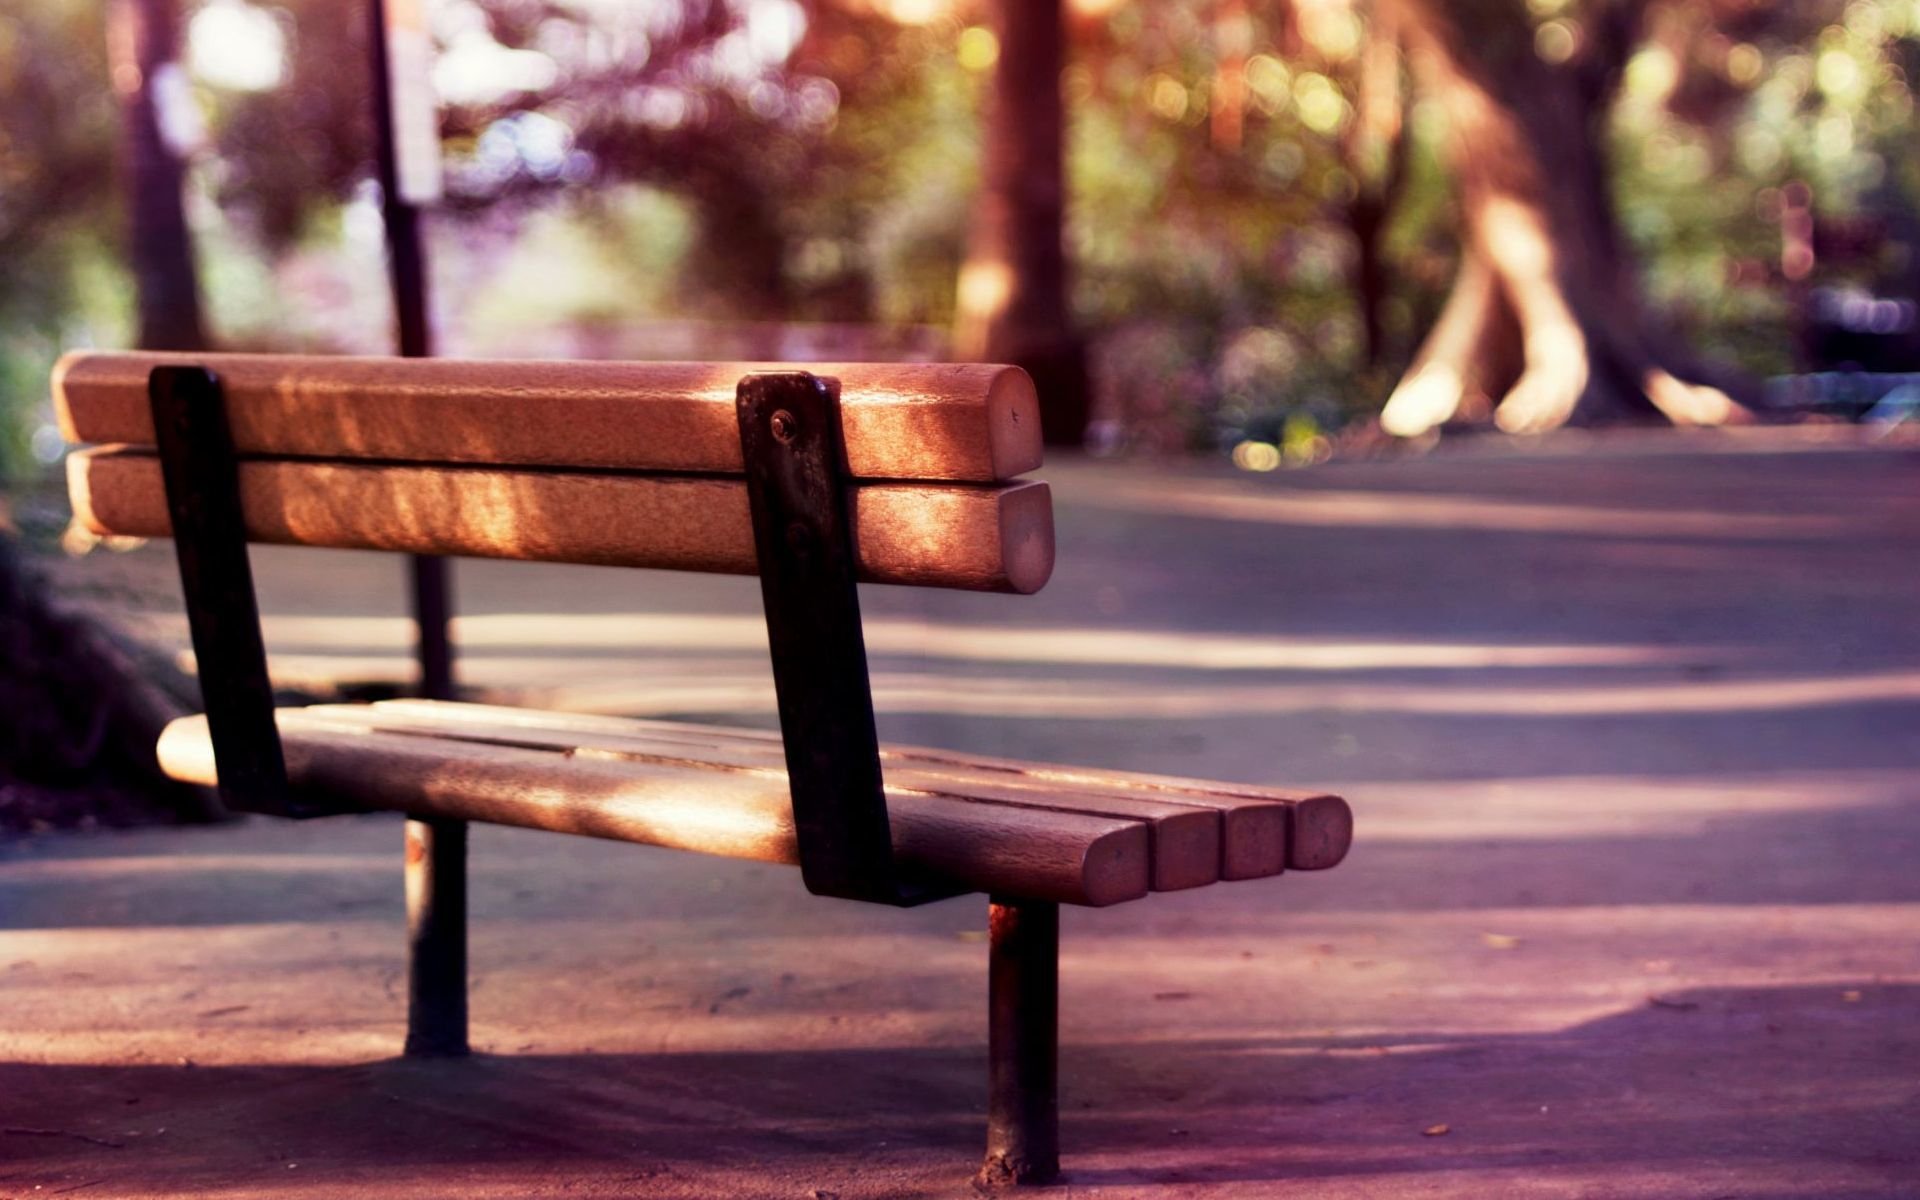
x=1185 y=841
x=1253 y=833
x=961 y=422
x=1069 y=858
x=1318 y=830
x=1317 y=833
x=933 y=535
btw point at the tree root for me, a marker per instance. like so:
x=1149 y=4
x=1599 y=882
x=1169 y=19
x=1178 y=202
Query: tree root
x=1584 y=368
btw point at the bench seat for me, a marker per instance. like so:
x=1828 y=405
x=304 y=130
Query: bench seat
x=1034 y=830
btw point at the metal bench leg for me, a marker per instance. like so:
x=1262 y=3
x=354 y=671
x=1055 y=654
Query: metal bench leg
x=436 y=938
x=1023 y=1043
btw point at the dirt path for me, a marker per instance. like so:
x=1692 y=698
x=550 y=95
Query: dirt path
x=1633 y=910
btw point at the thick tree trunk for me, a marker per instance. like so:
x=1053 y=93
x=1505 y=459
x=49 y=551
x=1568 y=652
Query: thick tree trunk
x=1013 y=303
x=142 y=40
x=1542 y=255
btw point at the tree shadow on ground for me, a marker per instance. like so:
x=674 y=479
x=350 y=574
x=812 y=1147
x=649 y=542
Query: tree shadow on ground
x=1812 y=1085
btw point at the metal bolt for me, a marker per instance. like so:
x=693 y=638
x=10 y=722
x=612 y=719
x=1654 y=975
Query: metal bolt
x=785 y=426
x=799 y=538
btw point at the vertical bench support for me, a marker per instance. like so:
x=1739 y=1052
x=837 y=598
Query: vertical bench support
x=1023 y=1043
x=436 y=861
x=797 y=489
x=436 y=877
x=202 y=476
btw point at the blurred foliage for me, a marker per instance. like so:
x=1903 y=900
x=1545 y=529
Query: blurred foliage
x=56 y=208
x=1727 y=104
x=610 y=164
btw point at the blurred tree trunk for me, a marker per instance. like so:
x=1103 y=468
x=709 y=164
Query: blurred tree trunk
x=1013 y=303
x=142 y=40
x=1375 y=149
x=740 y=251
x=1366 y=221
x=1546 y=317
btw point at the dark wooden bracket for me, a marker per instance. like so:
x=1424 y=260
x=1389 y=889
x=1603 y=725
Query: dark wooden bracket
x=797 y=486
x=202 y=475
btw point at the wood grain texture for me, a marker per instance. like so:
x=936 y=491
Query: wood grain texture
x=1068 y=858
x=1184 y=841
x=947 y=421
x=1264 y=828
x=932 y=535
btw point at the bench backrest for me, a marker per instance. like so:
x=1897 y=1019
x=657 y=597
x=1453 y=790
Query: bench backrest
x=628 y=464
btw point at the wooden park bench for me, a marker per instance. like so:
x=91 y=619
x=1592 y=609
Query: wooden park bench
x=901 y=474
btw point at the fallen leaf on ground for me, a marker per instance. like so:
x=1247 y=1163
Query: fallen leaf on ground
x=1436 y=1131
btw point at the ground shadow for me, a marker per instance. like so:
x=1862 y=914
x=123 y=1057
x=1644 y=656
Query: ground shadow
x=1814 y=1083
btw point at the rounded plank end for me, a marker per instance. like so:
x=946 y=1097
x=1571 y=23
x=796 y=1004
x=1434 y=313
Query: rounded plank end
x=63 y=371
x=117 y=491
x=1321 y=834
x=80 y=492
x=1115 y=867
x=1186 y=850
x=1256 y=841
x=1026 y=535
x=1013 y=423
x=185 y=752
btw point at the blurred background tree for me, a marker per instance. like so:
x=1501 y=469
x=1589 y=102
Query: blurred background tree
x=1275 y=215
x=159 y=123
x=1013 y=295
x=1545 y=312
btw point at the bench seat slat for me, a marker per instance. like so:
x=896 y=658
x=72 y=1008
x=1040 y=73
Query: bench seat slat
x=973 y=538
x=1069 y=858
x=1185 y=840
x=1264 y=828
x=963 y=422
x=1315 y=834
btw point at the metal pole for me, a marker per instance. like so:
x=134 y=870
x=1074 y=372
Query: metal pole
x=406 y=266
x=436 y=939
x=436 y=850
x=1023 y=1043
